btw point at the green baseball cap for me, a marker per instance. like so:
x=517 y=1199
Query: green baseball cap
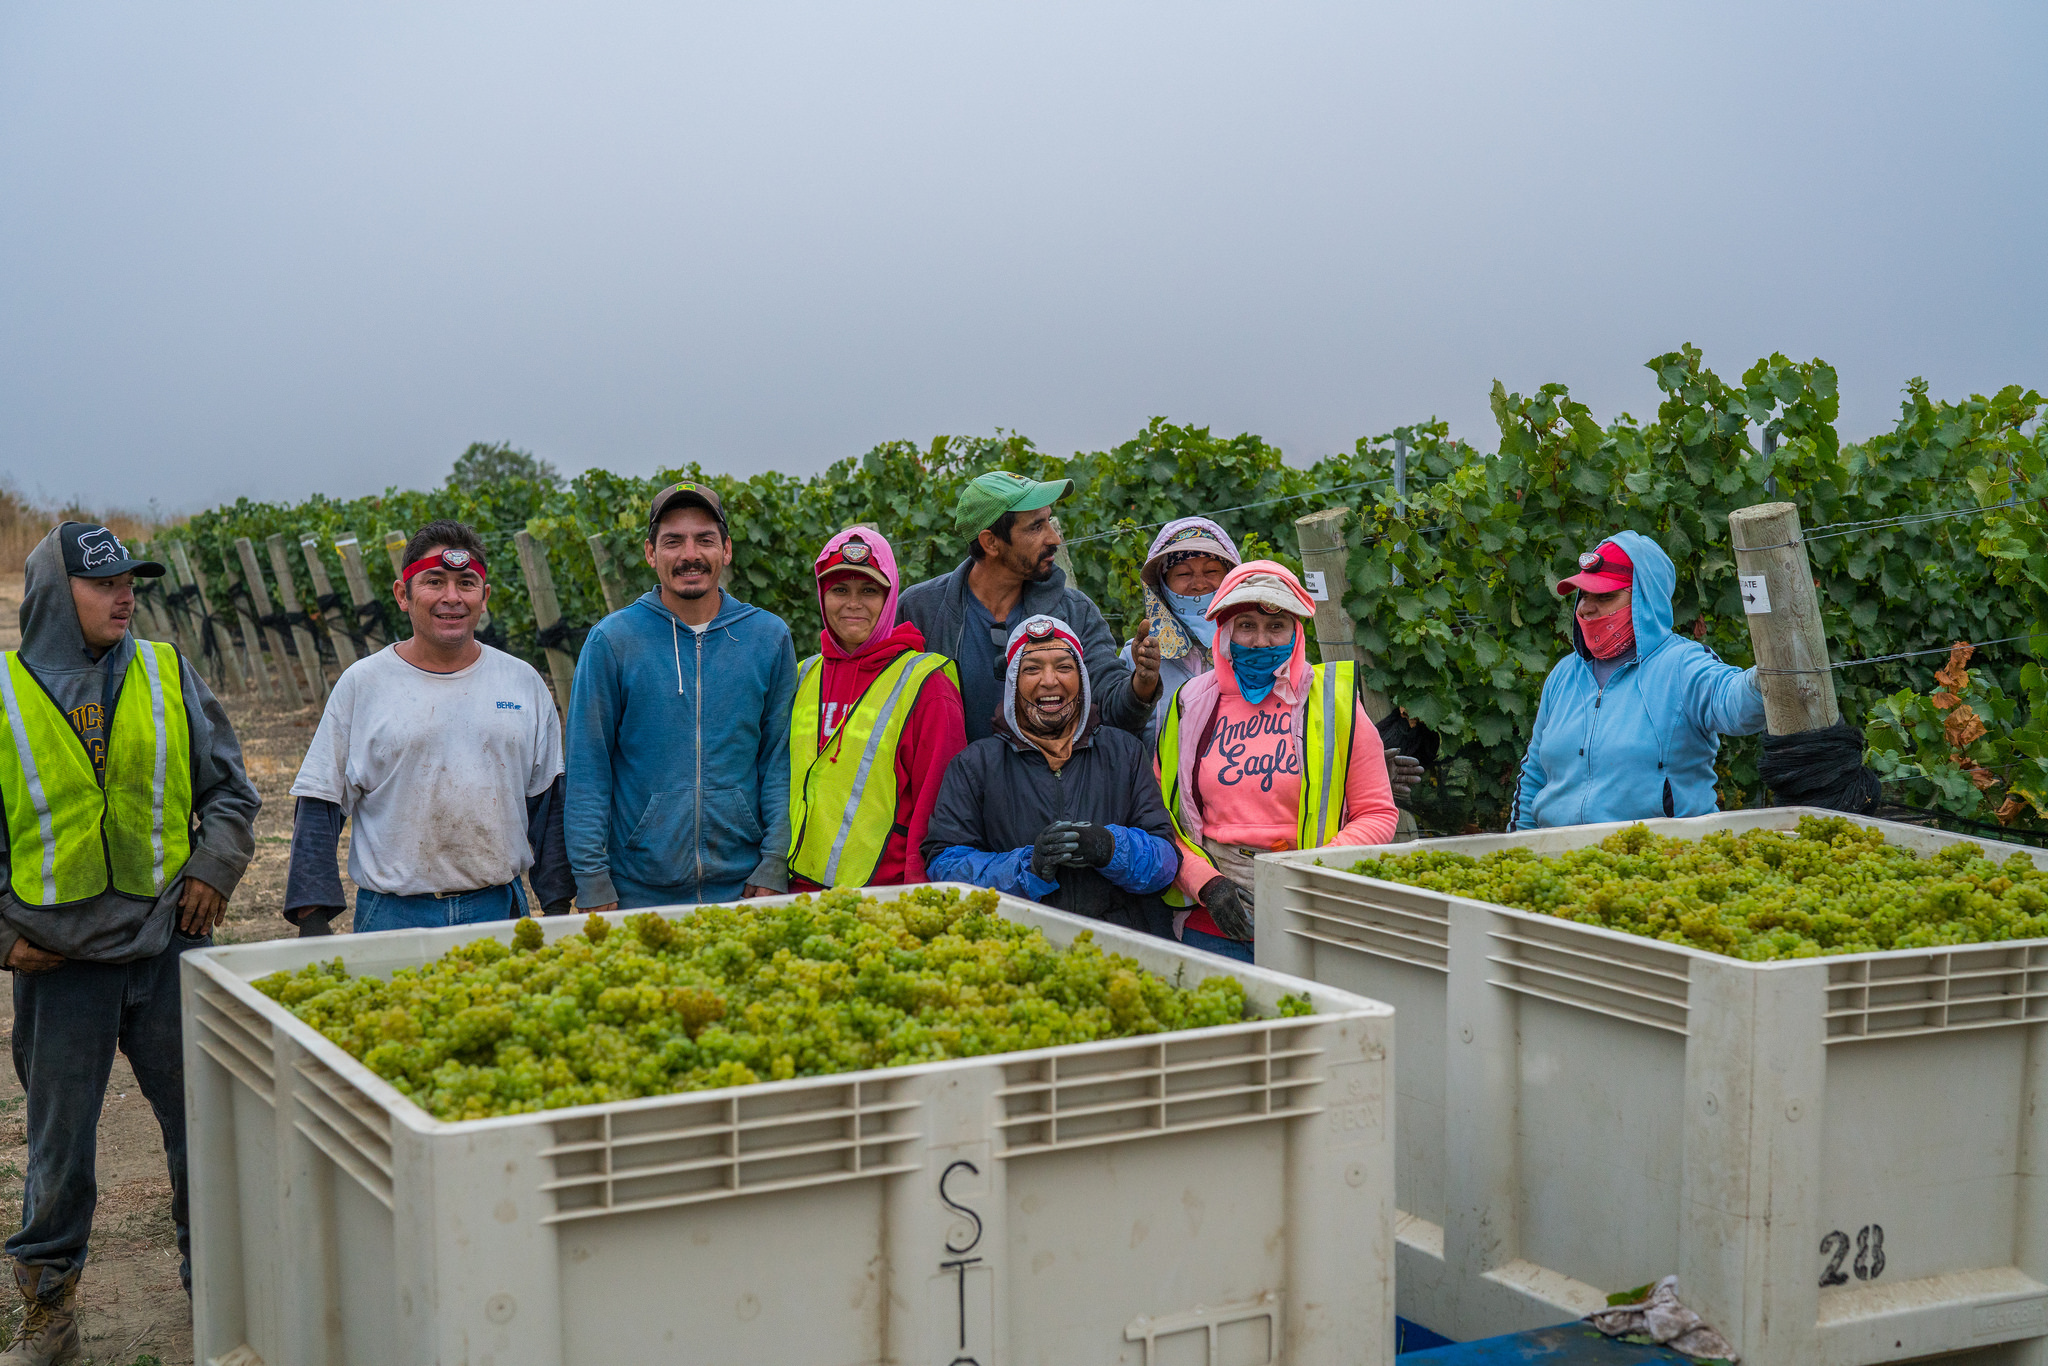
x=990 y=495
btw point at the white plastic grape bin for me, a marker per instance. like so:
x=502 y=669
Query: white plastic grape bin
x=1213 y=1197
x=1581 y=1111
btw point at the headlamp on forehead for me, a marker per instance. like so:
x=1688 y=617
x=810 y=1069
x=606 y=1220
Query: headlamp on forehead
x=1593 y=562
x=453 y=559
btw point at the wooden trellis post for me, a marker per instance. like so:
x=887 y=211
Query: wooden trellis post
x=1325 y=559
x=186 y=628
x=607 y=576
x=330 y=615
x=1064 y=558
x=547 y=612
x=252 y=638
x=360 y=590
x=150 y=604
x=223 y=639
x=394 y=546
x=1783 y=610
x=288 y=593
x=252 y=575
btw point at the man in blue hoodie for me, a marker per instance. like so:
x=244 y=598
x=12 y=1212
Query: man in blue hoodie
x=1631 y=721
x=678 y=732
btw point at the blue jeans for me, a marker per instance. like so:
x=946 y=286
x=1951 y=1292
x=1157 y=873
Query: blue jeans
x=377 y=911
x=634 y=896
x=1240 y=949
x=67 y=1023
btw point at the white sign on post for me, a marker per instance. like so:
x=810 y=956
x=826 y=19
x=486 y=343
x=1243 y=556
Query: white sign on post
x=1756 y=598
x=1312 y=580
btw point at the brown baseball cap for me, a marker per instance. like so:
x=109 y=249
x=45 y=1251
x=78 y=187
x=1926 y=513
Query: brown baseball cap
x=686 y=493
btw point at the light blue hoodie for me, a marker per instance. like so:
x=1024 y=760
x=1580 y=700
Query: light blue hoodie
x=1644 y=745
x=678 y=756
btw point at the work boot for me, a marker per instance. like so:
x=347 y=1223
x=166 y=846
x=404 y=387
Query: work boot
x=49 y=1322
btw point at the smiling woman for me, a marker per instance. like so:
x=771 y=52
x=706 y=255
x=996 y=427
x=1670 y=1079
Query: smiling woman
x=1263 y=754
x=1056 y=806
x=873 y=726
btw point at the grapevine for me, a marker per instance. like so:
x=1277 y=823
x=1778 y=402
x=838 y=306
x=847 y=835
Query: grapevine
x=1450 y=580
x=732 y=995
x=1829 y=887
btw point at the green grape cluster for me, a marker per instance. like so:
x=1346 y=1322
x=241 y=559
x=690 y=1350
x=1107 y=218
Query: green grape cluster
x=1831 y=886
x=731 y=995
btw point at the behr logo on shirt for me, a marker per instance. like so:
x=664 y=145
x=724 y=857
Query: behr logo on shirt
x=509 y=706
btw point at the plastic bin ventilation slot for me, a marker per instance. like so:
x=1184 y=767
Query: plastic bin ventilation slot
x=1219 y=1197
x=1842 y=1158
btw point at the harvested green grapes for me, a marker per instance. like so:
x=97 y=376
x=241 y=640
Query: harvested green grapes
x=731 y=995
x=1831 y=886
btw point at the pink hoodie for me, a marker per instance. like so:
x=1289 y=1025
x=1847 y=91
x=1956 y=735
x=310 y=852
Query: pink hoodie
x=934 y=732
x=882 y=556
x=1249 y=815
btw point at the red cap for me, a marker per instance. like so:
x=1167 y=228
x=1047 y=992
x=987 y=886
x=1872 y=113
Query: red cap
x=1605 y=569
x=854 y=557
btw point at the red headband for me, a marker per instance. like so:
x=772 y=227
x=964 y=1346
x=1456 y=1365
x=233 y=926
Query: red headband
x=456 y=560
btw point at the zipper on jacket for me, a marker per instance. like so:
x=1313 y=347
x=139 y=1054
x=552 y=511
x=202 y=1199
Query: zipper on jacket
x=1599 y=694
x=697 y=792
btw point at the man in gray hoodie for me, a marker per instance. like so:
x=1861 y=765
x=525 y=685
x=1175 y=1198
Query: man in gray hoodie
x=128 y=822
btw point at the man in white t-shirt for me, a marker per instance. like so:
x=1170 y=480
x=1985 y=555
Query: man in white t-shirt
x=447 y=755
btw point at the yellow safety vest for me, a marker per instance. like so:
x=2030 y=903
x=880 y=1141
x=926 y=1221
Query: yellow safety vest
x=1325 y=760
x=68 y=835
x=839 y=820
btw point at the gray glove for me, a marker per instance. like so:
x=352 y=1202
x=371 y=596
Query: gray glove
x=1058 y=844
x=1228 y=907
x=1404 y=773
x=1094 y=845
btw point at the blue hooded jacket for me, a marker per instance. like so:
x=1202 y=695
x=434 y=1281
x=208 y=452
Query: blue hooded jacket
x=678 y=756
x=1644 y=745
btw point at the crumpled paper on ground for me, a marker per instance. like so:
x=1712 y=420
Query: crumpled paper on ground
x=1664 y=1321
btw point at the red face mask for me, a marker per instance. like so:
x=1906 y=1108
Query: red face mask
x=1611 y=635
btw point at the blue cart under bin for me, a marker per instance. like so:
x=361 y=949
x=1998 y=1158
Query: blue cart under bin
x=1568 y=1344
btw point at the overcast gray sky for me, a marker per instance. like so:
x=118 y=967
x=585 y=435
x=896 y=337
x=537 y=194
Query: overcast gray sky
x=274 y=249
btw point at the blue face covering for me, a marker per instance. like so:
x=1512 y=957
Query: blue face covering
x=1256 y=666
x=1189 y=613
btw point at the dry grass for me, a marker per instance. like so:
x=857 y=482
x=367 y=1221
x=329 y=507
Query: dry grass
x=24 y=522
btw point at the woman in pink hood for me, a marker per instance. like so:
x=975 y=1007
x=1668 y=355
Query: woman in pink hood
x=874 y=723
x=1264 y=753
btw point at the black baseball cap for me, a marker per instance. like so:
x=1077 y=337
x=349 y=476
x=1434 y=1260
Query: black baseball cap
x=93 y=552
x=686 y=493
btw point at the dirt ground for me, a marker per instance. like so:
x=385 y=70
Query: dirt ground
x=132 y=1311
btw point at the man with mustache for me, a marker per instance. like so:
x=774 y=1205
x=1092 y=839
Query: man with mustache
x=1007 y=577
x=679 y=730
x=447 y=755
x=1055 y=806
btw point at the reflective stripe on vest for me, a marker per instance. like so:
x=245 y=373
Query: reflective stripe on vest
x=1326 y=760
x=839 y=819
x=134 y=832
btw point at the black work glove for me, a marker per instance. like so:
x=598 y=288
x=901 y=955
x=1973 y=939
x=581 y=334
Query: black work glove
x=562 y=907
x=1098 y=845
x=1403 y=772
x=1057 y=845
x=313 y=921
x=1228 y=907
